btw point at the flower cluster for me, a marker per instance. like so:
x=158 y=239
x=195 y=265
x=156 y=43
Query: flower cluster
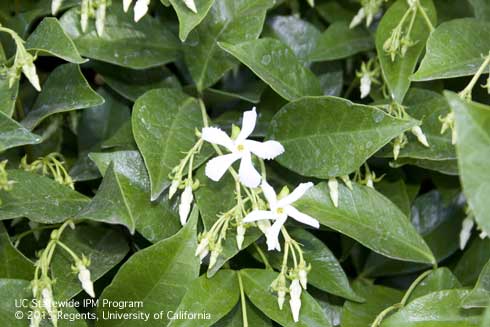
x=88 y=9
x=368 y=75
x=51 y=164
x=141 y=7
x=369 y=10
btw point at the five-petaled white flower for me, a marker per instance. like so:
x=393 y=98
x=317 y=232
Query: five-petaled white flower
x=240 y=148
x=279 y=212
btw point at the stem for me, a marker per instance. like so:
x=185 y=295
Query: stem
x=263 y=257
x=67 y=249
x=426 y=18
x=466 y=93
x=30 y=231
x=243 y=301
x=415 y=283
x=383 y=314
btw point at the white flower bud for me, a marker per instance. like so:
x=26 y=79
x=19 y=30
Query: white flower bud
x=185 y=204
x=347 y=181
x=365 y=85
x=240 y=235
x=29 y=71
x=55 y=6
x=396 y=150
x=126 y=4
x=213 y=258
x=483 y=235
x=333 y=186
x=100 y=18
x=465 y=233
x=48 y=304
x=295 y=301
x=369 y=181
x=417 y=131
x=303 y=277
x=84 y=277
x=202 y=248
x=281 y=297
x=191 y=5
x=140 y=9
x=361 y=14
x=84 y=13
x=173 y=188
x=35 y=320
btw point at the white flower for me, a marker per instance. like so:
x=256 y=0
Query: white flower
x=417 y=131
x=191 y=5
x=84 y=278
x=279 y=212
x=361 y=14
x=140 y=9
x=185 y=204
x=333 y=186
x=365 y=85
x=465 y=233
x=55 y=6
x=241 y=148
x=126 y=4
x=295 y=301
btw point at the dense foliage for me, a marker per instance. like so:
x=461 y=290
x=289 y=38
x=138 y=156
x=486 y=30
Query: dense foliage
x=245 y=163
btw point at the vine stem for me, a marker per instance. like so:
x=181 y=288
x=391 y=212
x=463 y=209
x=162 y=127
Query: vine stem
x=263 y=257
x=466 y=93
x=426 y=18
x=243 y=301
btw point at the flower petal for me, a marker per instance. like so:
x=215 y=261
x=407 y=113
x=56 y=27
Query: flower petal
x=249 y=176
x=217 y=136
x=269 y=193
x=302 y=217
x=216 y=167
x=298 y=192
x=248 y=125
x=265 y=150
x=272 y=234
x=259 y=215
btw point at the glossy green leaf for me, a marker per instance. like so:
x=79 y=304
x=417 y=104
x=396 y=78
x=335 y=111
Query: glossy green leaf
x=158 y=275
x=368 y=217
x=188 y=19
x=473 y=149
x=333 y=11
x=339 y=41
x=232 y=21
x=154 y=220
x=329 y=136
x=438 y=309
x=39 y=198
x=481 y=9
x=235 y=319
x=49 y=38
x=397 y=73
x=13 y=134
x=148 y=43
x=122 y=139
x=218 y=295
x=377 y=298
x=104 y=246
x=14 y=289
x=257 y=287
x=13 y=264
x=455 y=49
x=475 y=255
x=447 y=167
x=277 y=66
x=298 y=34
x=438 y=280
x=397 y=192
x=65 y=89
x=164 y=123
x=479 y=297
x=326 y=273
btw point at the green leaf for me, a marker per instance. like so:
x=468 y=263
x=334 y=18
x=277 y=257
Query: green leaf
x=188 y=19
x=235 y=319
x=8 y=97
x=164 y=135
x=476 y=255
x=158 y=275
x=257 y=287
x=13 y=134
x=481 y=9
x=368 y=217
x=13 y=264
x=218 y=295
x=377 y=298
x=49 y=38
x=277 y=66
x=339 y=41
x=232 y=21
x=455 y=49
x=104 y=246
x=332 y=12
x=438 y=280
x=298 y=34
x=329 y=136
x=438 y=309
x=65 y=89
x=155 y=220
x=479 y=297
x=473 y=149
x=397 y=73
x=326 y=273
x=39 y=198
x=148 y=43
x=447 y=167
x=397 y=192
x=11 y=290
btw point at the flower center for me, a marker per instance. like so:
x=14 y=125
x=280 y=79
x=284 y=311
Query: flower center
x=240 y=147
x=280 y=211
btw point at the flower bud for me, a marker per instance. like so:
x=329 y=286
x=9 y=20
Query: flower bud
x=126 y=4
x=333 y=186
x=29 y=71
x=173 y=188
x=358 y=18
x=240 y=235
x=185 y=204
x=365 y=85
x=100 y=17
x=303 y=277
x=483 y=235
x=55 y=6
x=48 y=303
x=347 y=181
x=84 y=13
x=140 y=9
x=35 y=320
x=465 y=233
x=84 y=277
x=214 y=257
x=295 y=301
x=191 y=5
x=202 y=249
x=417 y=131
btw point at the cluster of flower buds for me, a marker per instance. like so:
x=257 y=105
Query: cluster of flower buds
x=42 y=291
x=141 y=7
x=368 y=75
x=51 y=164
x=369 y=177
x=369 y=10
x=5 y=183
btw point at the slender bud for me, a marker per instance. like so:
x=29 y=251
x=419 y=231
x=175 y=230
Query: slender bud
x=84 y=13
x=417 y=131
x=35 y=320
x=55 y=6
x=191 y=5
x=140 y=9
x=358 y=18
x=214 y=257
x=202 y=249
x=365 y=85
x=483 y=235
x=126 y=4
x=84 y=277
x=48 y=304
x=333 y=186
x=173 y=188
x=240 y=235
x=347 y=181
x=185 y=204
x=295 y=301
x=465 y=233
x=29 y=71
x=303 y=276
x=100 y=17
